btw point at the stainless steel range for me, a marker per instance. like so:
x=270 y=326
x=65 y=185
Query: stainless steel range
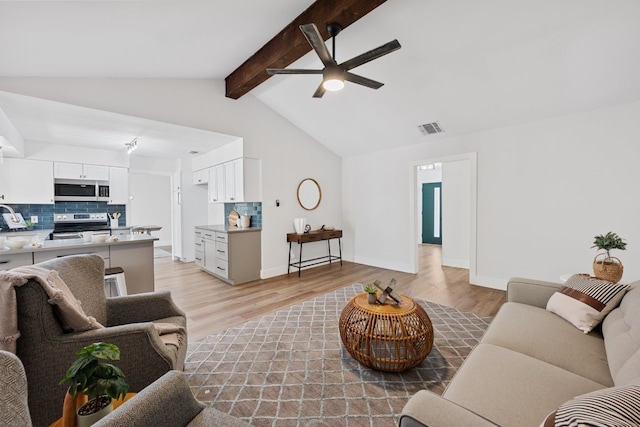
x=71 y=225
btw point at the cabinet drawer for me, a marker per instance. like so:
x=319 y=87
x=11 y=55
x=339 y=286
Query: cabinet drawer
x=199 y=244
x=222 y=251
x=7 y=262
x=103 y=251
x=209 y=235
x=222 y=268
x=199 y=233
x=222 y=237
x=199 y=258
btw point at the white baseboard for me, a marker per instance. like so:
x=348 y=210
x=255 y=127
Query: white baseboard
x=457 y=263
x=489 y=282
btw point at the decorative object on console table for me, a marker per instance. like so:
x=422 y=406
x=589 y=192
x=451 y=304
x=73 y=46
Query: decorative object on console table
x=314 y=236
x=299 y=225
x=608 y=268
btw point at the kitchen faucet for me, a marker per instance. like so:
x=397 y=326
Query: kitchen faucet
x=14 y=218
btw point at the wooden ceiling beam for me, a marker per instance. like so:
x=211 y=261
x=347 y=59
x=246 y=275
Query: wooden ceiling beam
x=289 y=45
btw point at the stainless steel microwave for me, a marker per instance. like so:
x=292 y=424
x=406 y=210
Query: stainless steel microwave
x=80 y=191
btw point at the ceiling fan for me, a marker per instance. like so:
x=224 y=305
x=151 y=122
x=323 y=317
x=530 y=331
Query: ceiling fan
x=334 y=74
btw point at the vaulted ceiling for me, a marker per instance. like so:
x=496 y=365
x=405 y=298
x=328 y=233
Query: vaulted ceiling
x=470 y=65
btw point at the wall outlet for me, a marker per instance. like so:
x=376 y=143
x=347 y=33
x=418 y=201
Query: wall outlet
x=34 y=219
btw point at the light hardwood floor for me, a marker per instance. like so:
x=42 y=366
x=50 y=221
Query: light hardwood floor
x=213 y=306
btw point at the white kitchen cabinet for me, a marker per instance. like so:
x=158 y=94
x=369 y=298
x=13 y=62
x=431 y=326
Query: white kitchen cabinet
x=235 y=181
x=118 y=186
x=27 y=181
x=234 y=257
x=201 y=176
x=63 y=170
x=244 y=185
x=216 y=184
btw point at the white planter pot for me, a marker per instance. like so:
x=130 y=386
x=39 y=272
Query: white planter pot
x=89 y=420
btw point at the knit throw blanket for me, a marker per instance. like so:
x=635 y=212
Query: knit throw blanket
x=71 y=314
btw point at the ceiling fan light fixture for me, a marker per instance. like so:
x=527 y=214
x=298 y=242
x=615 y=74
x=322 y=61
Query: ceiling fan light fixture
x=333 y=79
x=333 y=85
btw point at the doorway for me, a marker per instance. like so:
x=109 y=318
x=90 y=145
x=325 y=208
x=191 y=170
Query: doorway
x=458 y=196
x=432 y=213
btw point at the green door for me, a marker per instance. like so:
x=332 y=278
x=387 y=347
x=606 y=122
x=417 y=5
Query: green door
x=432 y=213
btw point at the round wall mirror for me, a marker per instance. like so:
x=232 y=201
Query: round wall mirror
x=309 y=194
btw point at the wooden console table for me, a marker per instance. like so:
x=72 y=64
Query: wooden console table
x=313 y=236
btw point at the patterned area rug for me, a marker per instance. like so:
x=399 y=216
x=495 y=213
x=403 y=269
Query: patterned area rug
x=289 y=367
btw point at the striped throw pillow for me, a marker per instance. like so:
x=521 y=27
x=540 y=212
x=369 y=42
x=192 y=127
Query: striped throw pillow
x=585 y=301
x=615 y=406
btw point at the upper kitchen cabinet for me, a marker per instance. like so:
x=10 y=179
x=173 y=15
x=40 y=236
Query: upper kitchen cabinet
x=242 y=181
x=118 y=186
x=64 y=170
x=201 y=176
x=27 y=181
x=235 y=181
x=216 y=184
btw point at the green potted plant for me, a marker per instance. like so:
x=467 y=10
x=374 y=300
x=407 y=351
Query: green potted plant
x=372 y=292
x=101 y=381
x=608 y=268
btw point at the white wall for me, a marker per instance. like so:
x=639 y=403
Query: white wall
x=456 y=213
x=288 y=154
x=151 y=204
x=544 y=190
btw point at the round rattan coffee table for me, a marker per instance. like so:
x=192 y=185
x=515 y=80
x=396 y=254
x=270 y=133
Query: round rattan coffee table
x=386 y=337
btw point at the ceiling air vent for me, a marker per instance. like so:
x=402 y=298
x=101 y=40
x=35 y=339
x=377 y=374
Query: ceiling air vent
x=430 y=128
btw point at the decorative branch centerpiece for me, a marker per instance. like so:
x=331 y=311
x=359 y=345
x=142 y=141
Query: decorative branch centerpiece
x=387 y=293
x=608 y=268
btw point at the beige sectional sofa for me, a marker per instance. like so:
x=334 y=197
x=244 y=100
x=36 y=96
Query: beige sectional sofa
x=532 y=361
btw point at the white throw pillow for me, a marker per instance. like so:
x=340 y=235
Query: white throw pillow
x=584 y=301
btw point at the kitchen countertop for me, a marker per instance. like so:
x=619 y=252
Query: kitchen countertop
x=54 y=245
x=224 y=228
x=29 y=234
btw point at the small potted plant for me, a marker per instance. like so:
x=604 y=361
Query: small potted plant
x=372 y=292
x=99 y=380
x=608 y=268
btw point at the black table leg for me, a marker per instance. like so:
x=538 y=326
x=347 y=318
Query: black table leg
x=289 y=259
x=300 y=262
x=340 y=248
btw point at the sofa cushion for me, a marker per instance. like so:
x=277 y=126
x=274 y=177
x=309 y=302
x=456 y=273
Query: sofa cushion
x=584 y=301
x=621 y=331
x=543 y=335
x=513 y=389
x=615 y=406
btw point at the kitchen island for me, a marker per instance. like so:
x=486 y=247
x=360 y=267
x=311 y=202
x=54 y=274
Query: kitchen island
x=133 y=253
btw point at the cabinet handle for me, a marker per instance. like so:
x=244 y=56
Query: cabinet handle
x=4 y=262
x=221 y=269
x=222 y=252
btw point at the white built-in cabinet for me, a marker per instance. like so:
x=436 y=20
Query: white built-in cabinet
x=201 y=177
x=63 y=170
x=216 y=184
x=118 y=186
x=27 y=181
x=231 y=182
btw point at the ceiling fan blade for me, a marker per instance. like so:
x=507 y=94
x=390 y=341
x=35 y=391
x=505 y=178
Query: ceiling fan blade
x=319 y=92
x=273 y=71
x=371 y=55
x=354 y=78
x=314 y=38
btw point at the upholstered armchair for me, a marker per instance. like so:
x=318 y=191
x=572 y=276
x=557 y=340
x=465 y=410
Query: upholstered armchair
x=14 y=411
x=168 y=402
x=47 y=351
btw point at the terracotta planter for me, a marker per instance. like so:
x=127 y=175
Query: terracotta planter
x=89 y=420
x=607 y=268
